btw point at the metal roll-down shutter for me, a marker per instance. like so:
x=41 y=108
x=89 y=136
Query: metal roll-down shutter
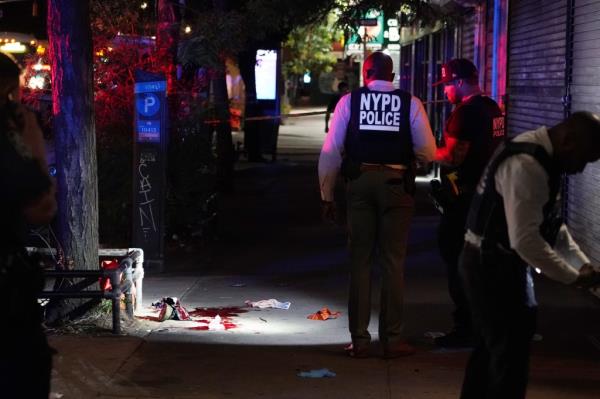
x=536 y=63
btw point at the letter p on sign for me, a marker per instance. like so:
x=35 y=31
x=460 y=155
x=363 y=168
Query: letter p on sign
x=148 y=104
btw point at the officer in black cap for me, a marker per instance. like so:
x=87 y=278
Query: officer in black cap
x=472 y=132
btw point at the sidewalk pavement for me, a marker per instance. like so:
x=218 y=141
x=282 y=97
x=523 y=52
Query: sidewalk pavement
x=271 y=244
x=261 y=356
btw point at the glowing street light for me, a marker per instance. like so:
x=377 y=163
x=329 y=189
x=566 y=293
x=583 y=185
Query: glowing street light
x=144 y=5
x=188 y=29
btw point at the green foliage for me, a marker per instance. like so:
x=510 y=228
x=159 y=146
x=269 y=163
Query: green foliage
x=214 y=36
x=308 y=48
x=124 y=16
x=410 y=12
x=242 y=25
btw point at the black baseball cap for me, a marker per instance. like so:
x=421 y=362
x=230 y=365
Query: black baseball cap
x=457 y=68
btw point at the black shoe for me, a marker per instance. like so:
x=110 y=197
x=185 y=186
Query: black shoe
x=358 y=351
x=399 y=349
x=455 y=339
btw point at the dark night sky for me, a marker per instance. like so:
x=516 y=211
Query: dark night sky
x=16 y=16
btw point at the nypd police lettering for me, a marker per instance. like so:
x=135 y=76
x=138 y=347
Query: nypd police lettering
x=498 y=126
x=379 y=111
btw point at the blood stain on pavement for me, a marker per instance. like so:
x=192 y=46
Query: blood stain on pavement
x=226 y=315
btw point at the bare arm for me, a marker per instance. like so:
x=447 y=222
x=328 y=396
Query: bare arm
x=453 y=153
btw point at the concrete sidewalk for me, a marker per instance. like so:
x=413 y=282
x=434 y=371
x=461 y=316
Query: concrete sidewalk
x=271 y=244
x=261 y=356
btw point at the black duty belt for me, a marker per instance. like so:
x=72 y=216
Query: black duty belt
x=381 y=168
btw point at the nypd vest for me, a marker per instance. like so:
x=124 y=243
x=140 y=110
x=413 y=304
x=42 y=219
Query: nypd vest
x=379 y=127
x=487 y=218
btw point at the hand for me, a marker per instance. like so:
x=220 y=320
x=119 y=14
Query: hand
x=328 y=211
x=588 y=277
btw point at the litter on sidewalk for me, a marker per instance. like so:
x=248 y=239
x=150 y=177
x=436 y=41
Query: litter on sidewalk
x=269 y=303
x=324 y=314
x=318 y=373
x=170 y=309
x=216 y=324
x=238 y=285
x=215 y=319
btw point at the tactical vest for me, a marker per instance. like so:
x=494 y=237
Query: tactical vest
x=487 y=218
x=379 y=127
x=478 y=114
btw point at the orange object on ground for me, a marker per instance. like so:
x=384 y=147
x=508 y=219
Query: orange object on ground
x=324 y=314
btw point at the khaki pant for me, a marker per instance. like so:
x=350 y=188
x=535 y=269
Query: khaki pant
x=379 y=215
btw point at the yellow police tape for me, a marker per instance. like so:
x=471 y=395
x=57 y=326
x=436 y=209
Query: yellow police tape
x=295 y=115
x=269 y=117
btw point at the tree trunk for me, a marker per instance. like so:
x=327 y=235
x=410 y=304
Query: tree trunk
x=75 y=141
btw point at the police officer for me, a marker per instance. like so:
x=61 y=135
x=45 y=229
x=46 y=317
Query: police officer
x=514 y=221
x=472 y=132
x=379 y=131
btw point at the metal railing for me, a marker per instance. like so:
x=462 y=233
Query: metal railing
x=131 y=267
x=91 y=277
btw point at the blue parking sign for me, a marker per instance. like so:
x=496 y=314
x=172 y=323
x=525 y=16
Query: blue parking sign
x=147 y=104
x=149 y=168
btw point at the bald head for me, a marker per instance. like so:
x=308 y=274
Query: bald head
x=378 y=66
x=576 y=141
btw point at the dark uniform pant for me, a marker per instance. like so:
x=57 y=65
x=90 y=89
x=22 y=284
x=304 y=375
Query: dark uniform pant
x=451 y=233
x=25 y=366
x=379 y=215
x=504 y=324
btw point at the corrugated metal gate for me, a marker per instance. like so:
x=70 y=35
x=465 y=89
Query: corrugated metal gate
x=536 y=64
x=467 y=35
x=421 y=62
x=583 y=210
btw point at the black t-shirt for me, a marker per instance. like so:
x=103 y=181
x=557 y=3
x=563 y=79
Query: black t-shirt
x=479 y=121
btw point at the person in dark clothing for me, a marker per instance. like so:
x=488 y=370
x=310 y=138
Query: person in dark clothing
x=380 y=131
x=342 y=90
x=472 y=132
x=28 y=197
x=514 y=224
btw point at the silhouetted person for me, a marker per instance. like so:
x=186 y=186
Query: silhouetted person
x=335 y=97
x=514 y=224
x=380 y=131
x=27 y=198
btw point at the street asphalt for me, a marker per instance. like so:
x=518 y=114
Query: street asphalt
x=271 y=244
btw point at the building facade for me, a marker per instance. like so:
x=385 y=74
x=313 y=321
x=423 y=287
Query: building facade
x=540 y=59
